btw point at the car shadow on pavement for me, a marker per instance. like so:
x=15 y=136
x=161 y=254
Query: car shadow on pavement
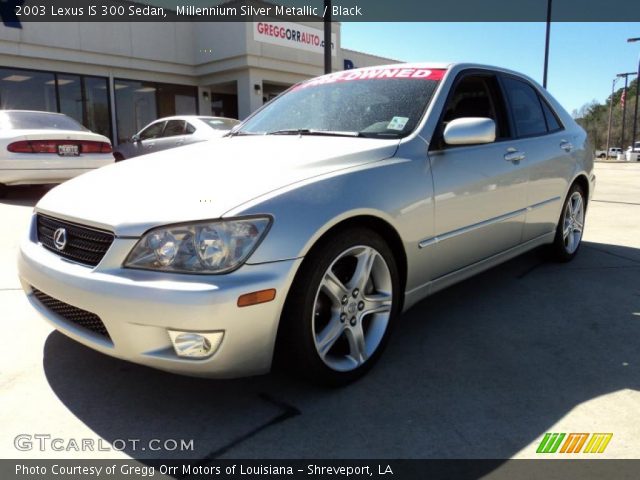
x=25 y=195
x=480 y=370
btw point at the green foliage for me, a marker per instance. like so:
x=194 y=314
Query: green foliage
x=594 y=118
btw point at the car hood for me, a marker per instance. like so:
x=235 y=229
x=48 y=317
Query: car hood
x=203 y=180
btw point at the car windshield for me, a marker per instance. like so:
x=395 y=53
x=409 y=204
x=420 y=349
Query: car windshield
x=220 y=123
x=376 y=102
x=38 y=121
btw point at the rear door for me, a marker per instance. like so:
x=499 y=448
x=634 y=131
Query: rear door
x=479 y=190
x=548 y=149
x=177 y=133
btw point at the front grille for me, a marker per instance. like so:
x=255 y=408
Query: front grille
x=84 y=245
x=82 y=318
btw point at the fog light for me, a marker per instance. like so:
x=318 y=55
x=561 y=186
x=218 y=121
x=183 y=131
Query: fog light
x=195 y=345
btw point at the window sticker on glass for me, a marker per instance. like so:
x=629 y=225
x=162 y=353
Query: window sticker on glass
x=397 y=123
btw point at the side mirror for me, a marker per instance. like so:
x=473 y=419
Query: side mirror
x=470 y=131
x=135 y=138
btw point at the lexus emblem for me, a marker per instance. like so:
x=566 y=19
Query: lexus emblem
x=60 y=238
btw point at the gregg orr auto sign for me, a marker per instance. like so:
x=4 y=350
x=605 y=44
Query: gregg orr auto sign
x=292 y=35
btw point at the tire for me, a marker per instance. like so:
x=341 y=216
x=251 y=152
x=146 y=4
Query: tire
x=341 y=308
x=570 y=226
x=3 y=190
x=602 y=155
x=118 y=156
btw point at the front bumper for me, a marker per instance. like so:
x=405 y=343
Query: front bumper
x=138 y=308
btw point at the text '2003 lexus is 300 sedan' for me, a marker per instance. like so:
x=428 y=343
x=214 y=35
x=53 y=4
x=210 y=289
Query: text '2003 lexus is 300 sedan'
x=308 y=229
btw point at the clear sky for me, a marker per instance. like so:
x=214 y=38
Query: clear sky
x=584 y=57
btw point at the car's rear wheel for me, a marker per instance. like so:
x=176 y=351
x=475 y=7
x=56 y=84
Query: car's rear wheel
x=118 y=156
x=571 y=225
x=341 y=308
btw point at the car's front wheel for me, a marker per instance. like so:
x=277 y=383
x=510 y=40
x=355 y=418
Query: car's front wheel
x=571 y=225
x=341 y=308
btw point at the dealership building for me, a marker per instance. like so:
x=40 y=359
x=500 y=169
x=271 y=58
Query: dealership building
x=115 y=78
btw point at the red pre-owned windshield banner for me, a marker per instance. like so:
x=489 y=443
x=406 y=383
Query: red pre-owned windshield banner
x=376 y=74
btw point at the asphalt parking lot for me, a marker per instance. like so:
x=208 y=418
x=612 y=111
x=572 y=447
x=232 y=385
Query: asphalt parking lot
x=481 y=370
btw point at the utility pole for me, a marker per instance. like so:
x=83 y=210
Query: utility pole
x=546 y=45
x=635 y=110
x=327 y=36
x=613 y=86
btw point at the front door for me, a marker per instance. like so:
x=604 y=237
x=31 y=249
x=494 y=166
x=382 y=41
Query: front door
x=480 y=191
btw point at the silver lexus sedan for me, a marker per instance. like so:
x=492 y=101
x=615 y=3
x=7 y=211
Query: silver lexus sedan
x=172 y=132
x=330 y=211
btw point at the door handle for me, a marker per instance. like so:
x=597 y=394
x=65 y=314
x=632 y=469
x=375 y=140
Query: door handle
x=514 y=156
x=566 y=146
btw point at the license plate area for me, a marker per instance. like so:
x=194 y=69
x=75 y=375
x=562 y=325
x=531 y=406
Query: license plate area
x=68 y=150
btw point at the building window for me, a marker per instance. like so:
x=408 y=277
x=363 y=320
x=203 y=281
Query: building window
x=27 y=90
x=70 y=96
x=177 y=100
x=96 y=116
x=83 y=98
x=140 y=103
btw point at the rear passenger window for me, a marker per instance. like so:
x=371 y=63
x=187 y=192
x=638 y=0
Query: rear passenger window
x=190 y=129
x=553 y=124
x=525 y=108
x=173 y=128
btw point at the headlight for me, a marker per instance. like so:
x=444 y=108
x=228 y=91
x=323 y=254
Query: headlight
x=202 y=247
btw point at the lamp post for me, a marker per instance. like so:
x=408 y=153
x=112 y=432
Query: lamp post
x=327 y=36
x=635 y=110
x=546 y=45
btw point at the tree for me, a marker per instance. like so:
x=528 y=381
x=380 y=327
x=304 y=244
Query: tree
x=594 y=118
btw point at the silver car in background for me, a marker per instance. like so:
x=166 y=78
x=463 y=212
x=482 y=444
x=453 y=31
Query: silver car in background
x=171 y=132
x=331 y=210
x=45 y=147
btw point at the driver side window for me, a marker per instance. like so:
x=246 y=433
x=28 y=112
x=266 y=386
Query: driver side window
x=152 y=131
x=475 y=96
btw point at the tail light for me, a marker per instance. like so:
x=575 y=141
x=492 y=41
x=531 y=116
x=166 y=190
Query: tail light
x=95 y=147
x=51 y=146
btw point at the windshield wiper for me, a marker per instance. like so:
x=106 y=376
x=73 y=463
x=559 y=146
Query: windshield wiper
x=241 y=133
x=309 y=131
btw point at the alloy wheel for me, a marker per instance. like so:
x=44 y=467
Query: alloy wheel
x=573 y=222
x=352 y=308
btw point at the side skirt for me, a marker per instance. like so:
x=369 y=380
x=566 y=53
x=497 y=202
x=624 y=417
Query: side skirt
x=414 y=296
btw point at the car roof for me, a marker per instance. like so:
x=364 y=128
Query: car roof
x=189 y=117
x=32 y=111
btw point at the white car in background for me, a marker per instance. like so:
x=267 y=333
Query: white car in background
x=44 y=147
x=171 y=132
x=613 y=153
